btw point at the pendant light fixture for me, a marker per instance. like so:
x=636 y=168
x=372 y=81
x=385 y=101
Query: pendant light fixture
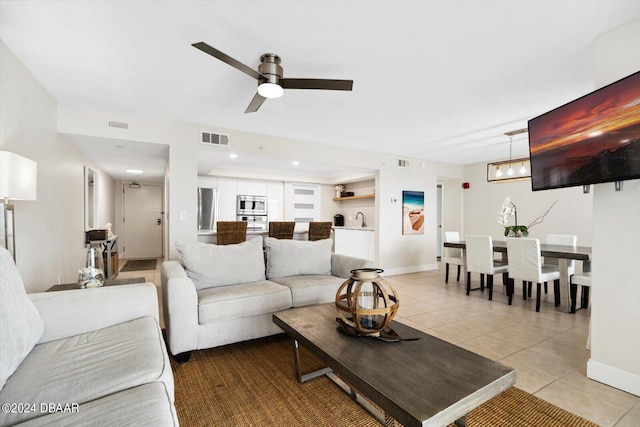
x=495 y=169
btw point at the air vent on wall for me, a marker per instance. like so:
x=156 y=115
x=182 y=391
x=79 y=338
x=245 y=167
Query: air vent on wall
x=210 y=138
x=403 y=163
x=118 y=125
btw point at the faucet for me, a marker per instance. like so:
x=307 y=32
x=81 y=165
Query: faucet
x=364 y=224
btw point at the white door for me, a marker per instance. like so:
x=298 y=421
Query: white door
x=142 y=221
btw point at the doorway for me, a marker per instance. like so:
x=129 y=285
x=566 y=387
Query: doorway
x=142 y=221
x=439 y=208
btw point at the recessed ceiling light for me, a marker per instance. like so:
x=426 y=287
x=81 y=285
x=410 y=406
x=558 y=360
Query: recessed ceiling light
x=134 y=171
x=233 y=155
x=295 y=163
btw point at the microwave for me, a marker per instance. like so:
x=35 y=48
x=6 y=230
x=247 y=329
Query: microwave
x=251 y=205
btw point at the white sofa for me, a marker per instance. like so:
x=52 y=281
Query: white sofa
x=218 y=295
x=83 y=357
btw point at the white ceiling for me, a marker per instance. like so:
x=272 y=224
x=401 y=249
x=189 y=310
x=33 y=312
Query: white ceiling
x=437 y=80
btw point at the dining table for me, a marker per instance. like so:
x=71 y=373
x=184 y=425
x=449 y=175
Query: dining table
x=563 y=253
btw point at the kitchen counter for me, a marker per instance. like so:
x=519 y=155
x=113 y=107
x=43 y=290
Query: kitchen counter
x=354 y=228
x=249 y=232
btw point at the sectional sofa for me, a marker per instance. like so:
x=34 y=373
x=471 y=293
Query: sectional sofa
x=220 y=294
x=82 y=357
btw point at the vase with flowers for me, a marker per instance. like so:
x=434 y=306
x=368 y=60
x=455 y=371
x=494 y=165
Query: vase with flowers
x=339 y=189
x=509 y=209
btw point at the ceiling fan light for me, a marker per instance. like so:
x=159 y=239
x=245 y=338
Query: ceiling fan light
x=270 y=90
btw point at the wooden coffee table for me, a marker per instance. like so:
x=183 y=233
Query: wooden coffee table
x=427 y=382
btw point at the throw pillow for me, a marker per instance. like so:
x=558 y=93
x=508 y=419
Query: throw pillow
x=219 y=265
x=297 y=257
x=20 y=323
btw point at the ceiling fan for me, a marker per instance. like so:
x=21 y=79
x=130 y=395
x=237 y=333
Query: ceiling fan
x=271 y=84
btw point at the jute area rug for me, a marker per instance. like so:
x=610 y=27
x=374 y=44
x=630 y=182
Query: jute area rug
x=253 y=384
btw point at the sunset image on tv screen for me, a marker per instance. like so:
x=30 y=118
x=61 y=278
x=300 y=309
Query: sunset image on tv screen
x=593 y=139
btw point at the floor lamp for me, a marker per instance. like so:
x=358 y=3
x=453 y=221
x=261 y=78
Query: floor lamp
x=18 y=181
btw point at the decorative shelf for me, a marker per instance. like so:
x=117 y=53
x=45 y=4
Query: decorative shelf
x=362 y=196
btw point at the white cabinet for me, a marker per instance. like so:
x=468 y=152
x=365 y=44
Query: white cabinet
x=275 y=200
x=355 y=242
x=227 y=199
x=251 y=188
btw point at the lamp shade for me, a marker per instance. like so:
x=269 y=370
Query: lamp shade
x=18 y=177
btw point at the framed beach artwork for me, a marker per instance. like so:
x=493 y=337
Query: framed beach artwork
x=413 y=212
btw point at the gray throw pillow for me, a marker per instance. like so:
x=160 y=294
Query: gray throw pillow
x=220 y=265
x=297 y=257
x=20 y=323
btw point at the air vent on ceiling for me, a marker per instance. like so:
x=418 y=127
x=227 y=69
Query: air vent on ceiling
x=118 y=125
x=210 y=138
x=403 y=163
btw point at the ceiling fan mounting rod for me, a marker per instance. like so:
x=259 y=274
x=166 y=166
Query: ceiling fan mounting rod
x=270 y=68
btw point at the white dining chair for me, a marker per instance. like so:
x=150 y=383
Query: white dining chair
x=452 y=255
x=583 y=280
x=525 y=264
x=479 y=252
x=565 y=240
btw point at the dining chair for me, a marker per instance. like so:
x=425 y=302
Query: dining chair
x=452 y=255
x=480 y=260
x=281 y=229
x=584 y=280
x=559 y=239
x=231 y=232
x=319 y=230
x=525 y=264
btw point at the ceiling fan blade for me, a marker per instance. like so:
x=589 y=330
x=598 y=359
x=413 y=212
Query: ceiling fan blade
x=229 y=60
x=317 y=84
x=255 y=103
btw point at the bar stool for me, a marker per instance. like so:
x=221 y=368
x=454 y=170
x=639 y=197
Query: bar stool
x=231 y=232
x=281 y=229
x=320 y=230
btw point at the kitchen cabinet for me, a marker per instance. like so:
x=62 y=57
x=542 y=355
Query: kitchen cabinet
x=275 y=200
x=357 y=242
x=251 y=188
x=227 y=199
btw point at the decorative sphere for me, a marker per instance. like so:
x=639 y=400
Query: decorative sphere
x=366 y=303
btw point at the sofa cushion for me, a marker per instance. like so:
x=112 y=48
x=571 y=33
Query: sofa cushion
x=311 y=289
x=145 y=405
x=20 y=323
x=296 y=257
x=244 y=300
x=219 y=265
x=88 y=366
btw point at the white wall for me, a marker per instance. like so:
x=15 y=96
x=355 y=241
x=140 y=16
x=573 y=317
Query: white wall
x=50 y=230
x=400 y=253
x=615 y=312
x=482 y=202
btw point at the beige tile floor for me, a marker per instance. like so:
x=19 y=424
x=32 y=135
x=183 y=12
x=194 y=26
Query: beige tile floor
x=547 y=348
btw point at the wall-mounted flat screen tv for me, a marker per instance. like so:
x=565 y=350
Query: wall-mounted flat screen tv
x=591 y=140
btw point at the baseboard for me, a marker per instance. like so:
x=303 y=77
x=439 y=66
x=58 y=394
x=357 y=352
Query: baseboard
x=410 y=269
x=615 y=377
